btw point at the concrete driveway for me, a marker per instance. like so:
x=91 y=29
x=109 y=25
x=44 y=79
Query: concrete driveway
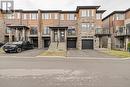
x=27 y=53
x=88 y=53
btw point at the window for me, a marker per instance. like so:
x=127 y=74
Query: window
x=7 y=31
x=87 y=26
x=83 y=26
x=93 y=12
x=56 y=16
x=10 y=16
x=62 y=17
x=120 y=16
x=70 y=16
x=87 y=13
x=33 y=31
x=98 y=16
x=83 y=13
x=34 y=16
x=46 y=30
x=24 y=16
x=46 y=16
x=18 y=15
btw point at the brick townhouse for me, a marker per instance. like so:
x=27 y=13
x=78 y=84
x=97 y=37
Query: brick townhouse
x=73 y=29
x=117 y=24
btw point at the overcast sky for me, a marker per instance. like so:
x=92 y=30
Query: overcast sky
x=109 y=5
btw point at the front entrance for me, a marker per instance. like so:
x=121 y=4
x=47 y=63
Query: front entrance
x=87 y=44
x=34 y=40
x=46 y=42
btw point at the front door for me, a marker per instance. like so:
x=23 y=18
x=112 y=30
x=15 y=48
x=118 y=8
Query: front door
x=55 y=35
x=62 y=35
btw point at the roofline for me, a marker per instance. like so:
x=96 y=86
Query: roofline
x=100 y=11
x=86 y=7
x=127 y=10
x=114 y=12
x=68 y=12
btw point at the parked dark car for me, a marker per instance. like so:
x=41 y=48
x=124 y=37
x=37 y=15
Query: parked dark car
x=1 y=44
x=17 y=46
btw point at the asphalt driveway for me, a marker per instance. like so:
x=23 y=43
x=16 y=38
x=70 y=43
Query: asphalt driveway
x=27 y=53
x=88 y=53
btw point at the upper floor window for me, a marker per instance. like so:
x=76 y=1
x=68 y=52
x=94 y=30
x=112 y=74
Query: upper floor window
x=33 y=31
x=56 y=16
x=7 y=30
x=70 y=16
x=34 y=16
x=18 y=15
x=62 y=17
x=87 y=26
x=24 y=16
x=46 y=16
x=87 y=13
x=46 y=30
x=10 y=16
x=119 y=17
x=98 y=16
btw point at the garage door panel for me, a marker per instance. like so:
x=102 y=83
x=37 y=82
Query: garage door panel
x=71 y=44
x=87 y=44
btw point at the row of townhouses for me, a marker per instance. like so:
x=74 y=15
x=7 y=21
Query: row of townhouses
x=82 y=28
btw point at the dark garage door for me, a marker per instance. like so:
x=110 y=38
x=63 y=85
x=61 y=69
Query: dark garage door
x=71 y=43
x=87 y=44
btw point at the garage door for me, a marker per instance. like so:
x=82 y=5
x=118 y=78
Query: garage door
x=87 y=44
x=71 y=43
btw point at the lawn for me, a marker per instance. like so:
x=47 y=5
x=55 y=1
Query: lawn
x=1 y=50
x=122 y=54
x=53 y=53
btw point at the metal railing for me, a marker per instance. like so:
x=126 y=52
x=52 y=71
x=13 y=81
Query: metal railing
x=102 y=31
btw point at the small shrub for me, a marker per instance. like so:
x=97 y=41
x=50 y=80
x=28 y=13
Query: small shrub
x=128 y=45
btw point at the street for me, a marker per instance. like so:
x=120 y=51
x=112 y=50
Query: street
x=63 y=72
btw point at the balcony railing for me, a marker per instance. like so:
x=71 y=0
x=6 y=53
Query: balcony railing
x=122 y=31
x=102 y=31
x=71 y=32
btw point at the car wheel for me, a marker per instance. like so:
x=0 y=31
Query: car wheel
x=19 y=50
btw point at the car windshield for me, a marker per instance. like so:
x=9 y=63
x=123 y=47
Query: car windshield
x=14 y=43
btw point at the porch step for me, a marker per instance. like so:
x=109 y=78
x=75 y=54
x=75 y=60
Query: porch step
x=53 y=46
x=62 y=46
x=57 y=46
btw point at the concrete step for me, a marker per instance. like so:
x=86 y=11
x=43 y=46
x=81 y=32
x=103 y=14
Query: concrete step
x=53 y=46
x=62 y=46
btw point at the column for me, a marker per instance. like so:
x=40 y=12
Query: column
x=39 y=30
x=28 y=33
x=126 y=43
x=51 y=35
x=65 y=35
x=109 y=42
x=97 y=42
x=10 y=35
x=16 y=34
x=58 y=34
x=23 y=34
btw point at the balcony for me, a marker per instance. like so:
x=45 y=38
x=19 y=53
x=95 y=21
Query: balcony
x=102 y=32
x=122 y=31
x=71 y=33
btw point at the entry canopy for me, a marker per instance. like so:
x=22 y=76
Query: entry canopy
x=58 y=27
x=18 y=27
